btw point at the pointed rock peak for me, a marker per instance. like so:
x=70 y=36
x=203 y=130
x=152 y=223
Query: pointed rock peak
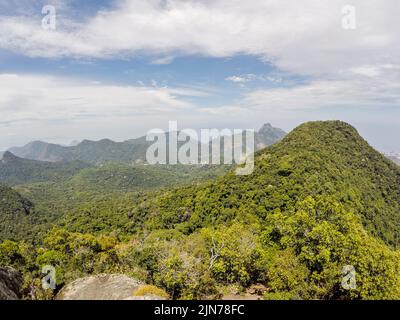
x=267 y=127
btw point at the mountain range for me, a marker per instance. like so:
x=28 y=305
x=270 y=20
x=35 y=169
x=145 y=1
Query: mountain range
x=15 y=170
x=114 y=165
x=103 y=151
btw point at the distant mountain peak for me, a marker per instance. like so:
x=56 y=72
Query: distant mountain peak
x=268 y=135
x=8 y=157
x=86 y=141
x=266 y=126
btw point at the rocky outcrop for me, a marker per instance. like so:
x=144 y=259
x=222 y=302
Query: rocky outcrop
x=10 y=284
x=103 y=287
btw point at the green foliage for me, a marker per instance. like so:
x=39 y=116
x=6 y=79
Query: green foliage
x=123 y=178
x=15 y=214
x=94 y=152
x=71 y=254
x=287 y=277
x=100 y=199
x=14 y=170
x=151 y=290
x=325 y=238
x=231 y=258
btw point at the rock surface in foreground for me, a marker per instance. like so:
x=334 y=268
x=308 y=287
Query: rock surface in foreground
x=103 y=287
x=10 y=284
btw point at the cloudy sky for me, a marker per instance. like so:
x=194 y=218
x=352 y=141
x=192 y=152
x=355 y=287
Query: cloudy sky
x=118 y=68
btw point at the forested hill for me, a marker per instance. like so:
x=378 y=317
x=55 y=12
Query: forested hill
x=105 y=151
x=14 y=213
x=15 y=170
x=94 y=152
x=317 y=159
x=12 y=203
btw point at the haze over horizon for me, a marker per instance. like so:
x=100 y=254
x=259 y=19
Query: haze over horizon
x=116 y=68
x=385 y=148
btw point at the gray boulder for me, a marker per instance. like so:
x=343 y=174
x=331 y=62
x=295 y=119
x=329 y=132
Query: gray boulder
x=10 y=284
x=103 y=287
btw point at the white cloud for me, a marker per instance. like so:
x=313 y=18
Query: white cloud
x=33 y=97
x=163 y=60
x=369 y=87
x=298 y=36
x=239 y=79
x=236 y=79
x=60 y=110
x=324 y=93
x=252 y=77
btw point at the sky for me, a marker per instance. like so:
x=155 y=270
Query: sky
x=118 y=68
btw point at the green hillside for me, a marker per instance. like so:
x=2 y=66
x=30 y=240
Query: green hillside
x=112 y=180
x=15 y=170
x=121 y=178
x=268 y=135
x=94 y=152
x=315 y=159
x=41 y=151
x=100 y=190
x=13 y=203
x=14 y=214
